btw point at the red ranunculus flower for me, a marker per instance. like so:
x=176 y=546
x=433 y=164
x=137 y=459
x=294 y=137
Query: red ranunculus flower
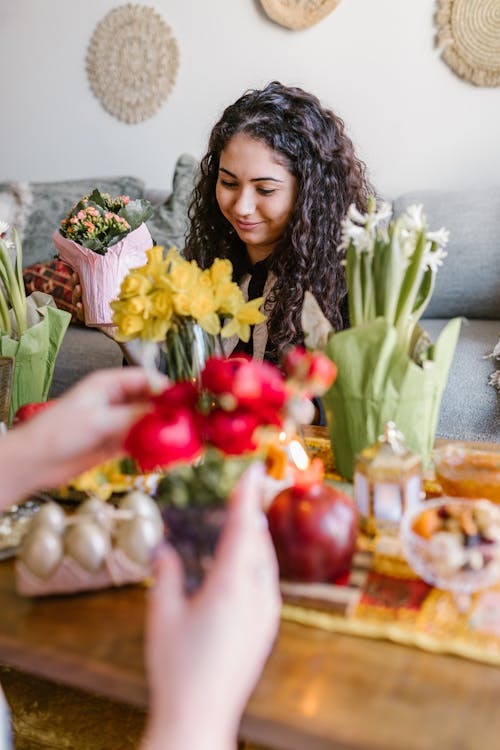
x=314 y=371
x=322 y=373
x=219 y=373
x=256 y=386
x=181 y=394
x=231 y=431
x=158 y=440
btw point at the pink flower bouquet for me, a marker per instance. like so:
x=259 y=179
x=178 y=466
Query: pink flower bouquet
x=102 y=239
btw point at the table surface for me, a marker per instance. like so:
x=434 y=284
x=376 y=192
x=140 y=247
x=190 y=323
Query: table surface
x=318 y=689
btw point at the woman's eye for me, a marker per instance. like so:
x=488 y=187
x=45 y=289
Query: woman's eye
x=265 y=191
x=227 y=184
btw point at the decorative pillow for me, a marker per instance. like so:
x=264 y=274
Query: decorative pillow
x=52 y=277
x=51 y=201
x=169 y=223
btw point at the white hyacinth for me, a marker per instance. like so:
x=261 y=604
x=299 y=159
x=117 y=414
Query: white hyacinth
x=390 y=268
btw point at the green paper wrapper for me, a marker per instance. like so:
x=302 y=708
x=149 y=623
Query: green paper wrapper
x=378 y=382
x=36 y=352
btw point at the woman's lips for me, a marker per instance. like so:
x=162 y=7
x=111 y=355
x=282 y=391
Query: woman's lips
x=246 y=226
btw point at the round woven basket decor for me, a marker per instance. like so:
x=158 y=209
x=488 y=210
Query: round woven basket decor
x=298 y=14
x=132 y=62
x=469 y=39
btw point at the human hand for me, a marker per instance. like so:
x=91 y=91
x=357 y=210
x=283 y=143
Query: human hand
x=205 y=653
x=79 y=430
x=76 y=297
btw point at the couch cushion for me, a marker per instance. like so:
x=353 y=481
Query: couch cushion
x=169 y=223
x=51 y=201
x=470 y=409
x=468 y=283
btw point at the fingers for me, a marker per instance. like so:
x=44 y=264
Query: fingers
x=167 y=595
x=114 y=386
x=245 y=543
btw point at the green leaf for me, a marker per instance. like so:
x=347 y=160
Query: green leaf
x=136 y=212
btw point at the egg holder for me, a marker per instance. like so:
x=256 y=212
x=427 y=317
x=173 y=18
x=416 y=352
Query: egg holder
x=98 y=546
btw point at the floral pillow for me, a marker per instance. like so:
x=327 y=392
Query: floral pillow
x=55 y=278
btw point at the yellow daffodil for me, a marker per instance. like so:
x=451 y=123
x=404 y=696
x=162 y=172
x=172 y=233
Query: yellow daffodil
x=182 y=304
x=221 y=271
x=164 y=297
x=156 y=267
x=135 y=283
x=155 y=329
x=248 y=314
x=228 y=297
x=161 y=304
x=129 y=326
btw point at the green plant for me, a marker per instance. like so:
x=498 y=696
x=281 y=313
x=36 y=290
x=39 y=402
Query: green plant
x=12 y=295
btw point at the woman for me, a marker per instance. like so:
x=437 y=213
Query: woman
x=276 y=182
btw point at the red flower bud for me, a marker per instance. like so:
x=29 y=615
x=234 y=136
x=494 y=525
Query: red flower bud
x=181 y=394
x=231 y=432
x=157 y=440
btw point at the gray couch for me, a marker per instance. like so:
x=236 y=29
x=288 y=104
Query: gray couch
x=468 y=285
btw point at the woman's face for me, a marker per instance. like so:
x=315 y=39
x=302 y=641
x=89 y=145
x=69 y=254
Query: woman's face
x=255 y=193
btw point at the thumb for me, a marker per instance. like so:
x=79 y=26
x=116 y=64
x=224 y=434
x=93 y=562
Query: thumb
x=166 y=597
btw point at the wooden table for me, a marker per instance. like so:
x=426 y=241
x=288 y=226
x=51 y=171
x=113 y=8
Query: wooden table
x=318 y=690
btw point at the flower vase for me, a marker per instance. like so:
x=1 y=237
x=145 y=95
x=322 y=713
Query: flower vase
x=187 y=348
x=194 y=533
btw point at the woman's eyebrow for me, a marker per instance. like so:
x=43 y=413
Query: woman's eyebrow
x=254 y=179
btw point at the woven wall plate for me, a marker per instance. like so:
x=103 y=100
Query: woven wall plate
x=298 y=14
x=132 y=62
x=469 y=39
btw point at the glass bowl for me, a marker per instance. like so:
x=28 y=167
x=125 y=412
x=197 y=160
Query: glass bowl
x=453 y=544
x=469 y=470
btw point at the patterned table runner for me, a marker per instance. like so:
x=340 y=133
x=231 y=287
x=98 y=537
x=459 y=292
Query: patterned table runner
x=380 y=597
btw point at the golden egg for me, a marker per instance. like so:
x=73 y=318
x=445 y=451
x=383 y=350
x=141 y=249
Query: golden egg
x=138 y=538
x=41 y=551
x=97 y=510
x=50 y=514
x=142 y=505
x=88 y=544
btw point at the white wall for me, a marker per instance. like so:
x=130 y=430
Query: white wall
x=414 y=122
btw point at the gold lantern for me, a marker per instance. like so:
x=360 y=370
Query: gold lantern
x=387 y=480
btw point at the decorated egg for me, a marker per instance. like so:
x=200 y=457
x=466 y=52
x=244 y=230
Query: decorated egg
x=88 y=544
x=99 y=511
x=137 y=538
x=51 y=515
x=41 y=550
x=142 y=505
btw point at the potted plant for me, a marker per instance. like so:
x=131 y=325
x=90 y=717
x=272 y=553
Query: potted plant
x=388 y=368
x=101 y=238
x=31 y=327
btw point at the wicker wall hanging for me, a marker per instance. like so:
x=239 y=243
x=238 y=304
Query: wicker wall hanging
x=298 y=14
x=469 y=37
x=132 y=62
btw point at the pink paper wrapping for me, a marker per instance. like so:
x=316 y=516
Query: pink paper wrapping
x=101 y=275
x=69 y=577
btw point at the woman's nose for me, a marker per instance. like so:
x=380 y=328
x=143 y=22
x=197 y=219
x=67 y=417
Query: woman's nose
x=245 y=203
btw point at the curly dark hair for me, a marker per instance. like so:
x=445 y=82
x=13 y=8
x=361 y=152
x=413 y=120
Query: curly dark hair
x=312 y=144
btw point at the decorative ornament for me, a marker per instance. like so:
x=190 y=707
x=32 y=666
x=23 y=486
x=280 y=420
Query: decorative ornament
x=298 y=14
x=469 y=39
x=387 y=480
x=132 y=62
